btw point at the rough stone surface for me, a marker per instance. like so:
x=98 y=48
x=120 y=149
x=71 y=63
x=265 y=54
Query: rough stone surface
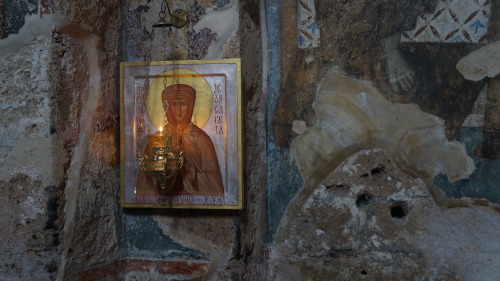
x=251 y=253
x=367 y=220
x=59 y=141
x=28 y=170
x=92 y=230
x=29 y=242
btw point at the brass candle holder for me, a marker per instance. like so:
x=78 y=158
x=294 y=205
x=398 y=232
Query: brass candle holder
x=159 y=160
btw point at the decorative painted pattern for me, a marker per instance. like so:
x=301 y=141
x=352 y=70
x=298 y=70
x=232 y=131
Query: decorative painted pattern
x=307 y=29
x=454 y=21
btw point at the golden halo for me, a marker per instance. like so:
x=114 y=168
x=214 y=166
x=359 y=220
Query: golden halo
x=203 y=103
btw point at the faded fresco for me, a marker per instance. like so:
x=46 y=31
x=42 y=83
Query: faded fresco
x=408 y=51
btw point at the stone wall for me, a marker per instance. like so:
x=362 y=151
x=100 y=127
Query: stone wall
x=60 y=153
x=368 y=220
x=368 y=153
x=30 y=174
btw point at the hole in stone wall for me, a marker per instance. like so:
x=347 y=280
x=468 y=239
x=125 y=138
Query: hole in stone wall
x=363 y=199
x=364 y=273
x=399 y=210
x=377 y=170
x=342 y=186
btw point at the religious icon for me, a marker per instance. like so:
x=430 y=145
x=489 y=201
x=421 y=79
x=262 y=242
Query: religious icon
x=192 y=109
x=200 y=172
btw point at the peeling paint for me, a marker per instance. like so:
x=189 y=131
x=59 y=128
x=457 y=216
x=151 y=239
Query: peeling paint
x=224 y=22
x=481 y=63
x=352 y=115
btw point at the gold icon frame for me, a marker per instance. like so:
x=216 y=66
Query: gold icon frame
x=218 y=88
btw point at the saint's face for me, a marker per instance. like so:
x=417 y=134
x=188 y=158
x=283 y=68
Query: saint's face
x=180 y=109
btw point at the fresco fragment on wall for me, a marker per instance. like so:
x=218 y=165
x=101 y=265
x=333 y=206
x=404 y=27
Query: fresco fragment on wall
x=224 y=23
x=453 y=21
x=476 y=66
x=482 y=141
x=142 y=40
x=211 y=27
x=307 y=29
x=363 y=40
x=351 y=40
x=47 y=7
x=13 y=14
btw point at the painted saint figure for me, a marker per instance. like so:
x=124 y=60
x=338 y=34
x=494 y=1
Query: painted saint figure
x=200 y=174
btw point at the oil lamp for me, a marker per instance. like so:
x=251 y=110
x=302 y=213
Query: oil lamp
x=159 y=161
